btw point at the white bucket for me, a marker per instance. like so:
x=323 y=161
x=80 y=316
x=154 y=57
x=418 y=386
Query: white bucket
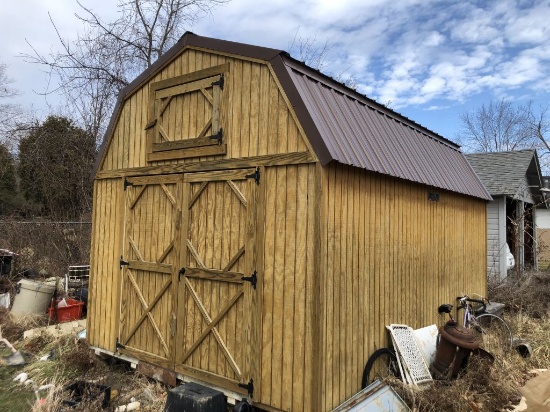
x=33 y=297
x=5 y=300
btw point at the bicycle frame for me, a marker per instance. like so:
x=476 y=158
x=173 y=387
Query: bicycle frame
x=482 y=322
x=469 y=317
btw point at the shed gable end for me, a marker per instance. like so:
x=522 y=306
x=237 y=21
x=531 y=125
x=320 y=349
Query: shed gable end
x=186 y=113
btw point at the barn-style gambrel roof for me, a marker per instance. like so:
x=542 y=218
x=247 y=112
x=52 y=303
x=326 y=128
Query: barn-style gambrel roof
x=342 y=125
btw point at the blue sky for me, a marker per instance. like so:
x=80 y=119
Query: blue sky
x=432 y=60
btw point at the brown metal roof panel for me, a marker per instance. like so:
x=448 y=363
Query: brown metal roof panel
x=346 y=130
x=393 y=144
x=400 y=151
x=326 y=120
x=399 y=145
x=390 y=163
x=358 y=133
x=365 y=137
x=368 y=144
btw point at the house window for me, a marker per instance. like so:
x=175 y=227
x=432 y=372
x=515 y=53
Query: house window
x=184 y=115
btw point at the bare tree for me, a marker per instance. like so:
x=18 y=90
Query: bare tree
x=10 y=114
x=107 y=56
x=309 y=51
x=497 y=127
x=539 y=125
x=316 y=55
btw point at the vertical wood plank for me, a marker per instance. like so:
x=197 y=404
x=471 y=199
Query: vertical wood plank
x=264 y=124
x=244 y=115
x=314 y=398
x=255 y=106
x=278 y=294
x=268 y=286
x=289 y=276
x=259 y=204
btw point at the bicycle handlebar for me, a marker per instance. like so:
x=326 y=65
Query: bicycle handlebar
x=464 y=299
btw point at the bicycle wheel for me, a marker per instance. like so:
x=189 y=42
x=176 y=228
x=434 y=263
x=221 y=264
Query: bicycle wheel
x=492 y=332
x=382 y=363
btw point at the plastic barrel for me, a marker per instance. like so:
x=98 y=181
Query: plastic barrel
x=33 y=297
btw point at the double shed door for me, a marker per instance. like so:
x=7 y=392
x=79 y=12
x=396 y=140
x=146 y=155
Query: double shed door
x=189 y=242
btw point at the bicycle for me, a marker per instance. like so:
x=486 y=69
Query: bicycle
x=490 y=330
x=381 y=364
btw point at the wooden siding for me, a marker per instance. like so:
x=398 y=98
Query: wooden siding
x=390 y=256
x=288 y=349
x=255 y=115
x=340 y=252
x=104 y=299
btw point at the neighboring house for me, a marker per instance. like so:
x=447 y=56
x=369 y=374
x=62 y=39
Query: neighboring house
x=257 y=225
x=514 y=181
x=542 y=224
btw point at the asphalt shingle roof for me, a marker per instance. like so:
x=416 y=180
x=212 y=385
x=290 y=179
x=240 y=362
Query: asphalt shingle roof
x=502 y=173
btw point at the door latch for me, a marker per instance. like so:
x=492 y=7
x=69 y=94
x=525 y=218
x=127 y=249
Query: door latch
x=180 y=273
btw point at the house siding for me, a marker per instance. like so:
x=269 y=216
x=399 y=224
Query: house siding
x=496 y=239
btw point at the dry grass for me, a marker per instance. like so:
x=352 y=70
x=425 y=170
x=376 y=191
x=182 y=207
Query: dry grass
x=488 y=388
x=480 y=387
x=13 y=327
x=529 y=295
x=76 y=362
x=70 y=360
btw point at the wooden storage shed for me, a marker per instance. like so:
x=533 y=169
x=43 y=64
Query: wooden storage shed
x=257 y=224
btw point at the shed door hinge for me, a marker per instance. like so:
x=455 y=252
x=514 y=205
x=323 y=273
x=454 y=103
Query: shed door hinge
x=218 y=136
x=119 y=345
x=255 y=176
x=127 y=183
x=123 y=262
x=249 y=387
x=219 y=82
x=252 y=279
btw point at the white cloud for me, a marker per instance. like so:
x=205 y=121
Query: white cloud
x=433 y=86
x=530 y=25
x=424 y=53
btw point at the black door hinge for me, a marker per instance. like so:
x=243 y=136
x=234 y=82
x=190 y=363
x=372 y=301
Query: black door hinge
x=252 y=279
x=119 y=345
x=218 y=136
x=249 y=387
x=123 y=262
x=127 y=183
x=255 y=176
x=219 y=82
x=180 y=273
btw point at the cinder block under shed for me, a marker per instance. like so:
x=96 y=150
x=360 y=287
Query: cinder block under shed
x=192 y=397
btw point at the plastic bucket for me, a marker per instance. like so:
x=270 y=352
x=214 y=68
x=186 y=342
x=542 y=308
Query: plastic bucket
x=33 y=297
x=5 y=300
